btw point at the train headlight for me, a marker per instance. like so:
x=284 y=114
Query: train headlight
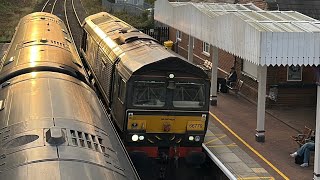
x=191 y=138
x=135 y=137
x=197 y=138
x=171 y=76
x=203 y=117
x=141 y=138
x=130 y=116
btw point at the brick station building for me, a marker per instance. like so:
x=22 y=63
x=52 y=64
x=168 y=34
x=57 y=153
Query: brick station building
x=287 y=85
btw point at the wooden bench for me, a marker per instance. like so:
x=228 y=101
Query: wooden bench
x=235 y=86
x=305 y=137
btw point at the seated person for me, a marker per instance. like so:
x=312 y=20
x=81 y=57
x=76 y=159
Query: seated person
x=232 y=76
x=304 y=151
x=224 y=82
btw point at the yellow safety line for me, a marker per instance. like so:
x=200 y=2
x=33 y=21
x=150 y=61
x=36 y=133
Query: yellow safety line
x=251 y=148
x=215 y=139
x=257 y=177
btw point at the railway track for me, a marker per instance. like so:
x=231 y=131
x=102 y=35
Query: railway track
x=80 y=10
x=49 y=6
x=73 y=22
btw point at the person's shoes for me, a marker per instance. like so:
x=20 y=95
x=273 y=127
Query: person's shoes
x=304 y=165
x=294 y=154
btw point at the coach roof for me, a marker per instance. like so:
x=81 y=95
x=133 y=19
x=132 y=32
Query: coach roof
x=136 y=49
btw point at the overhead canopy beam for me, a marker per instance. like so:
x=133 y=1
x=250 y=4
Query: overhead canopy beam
x=261 y=37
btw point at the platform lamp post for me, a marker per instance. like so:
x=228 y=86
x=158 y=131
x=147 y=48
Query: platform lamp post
x=261 y=109
x=190 y=49
x=316 y=174
x=214 y=74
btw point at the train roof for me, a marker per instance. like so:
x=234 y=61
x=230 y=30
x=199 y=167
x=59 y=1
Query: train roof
x=137 y=51
x=41 y=42
x=41 y=101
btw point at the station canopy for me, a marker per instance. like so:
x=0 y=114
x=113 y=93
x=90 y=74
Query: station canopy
x=244 y=30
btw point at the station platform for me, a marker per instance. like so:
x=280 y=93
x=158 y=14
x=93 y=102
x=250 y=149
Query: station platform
x=231 y=138
x=238 y=164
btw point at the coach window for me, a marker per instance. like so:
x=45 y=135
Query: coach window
x=206 y=48
x=294 y=73
x=121 y=89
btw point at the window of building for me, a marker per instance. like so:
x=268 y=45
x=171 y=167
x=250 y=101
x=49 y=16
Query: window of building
x=294 y=73
x=250 y=69
x=206 y=48
x=179 y=35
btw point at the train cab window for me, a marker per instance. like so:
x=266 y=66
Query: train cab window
x=149 y=93
x=189 y=95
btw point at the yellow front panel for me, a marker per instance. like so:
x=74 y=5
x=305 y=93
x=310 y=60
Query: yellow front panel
x=176 y=124
x=138 y=125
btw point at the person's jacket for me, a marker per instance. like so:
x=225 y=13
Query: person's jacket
x=233 y=77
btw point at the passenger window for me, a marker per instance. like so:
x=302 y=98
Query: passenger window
x=121 y=89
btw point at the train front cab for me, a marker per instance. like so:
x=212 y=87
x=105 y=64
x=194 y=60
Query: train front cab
x=166 y=110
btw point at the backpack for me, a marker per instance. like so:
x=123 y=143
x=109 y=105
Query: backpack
x=298 y=159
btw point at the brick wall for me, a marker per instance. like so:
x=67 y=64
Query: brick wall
x=226 y=60
x=293 y=93
x=295 y=96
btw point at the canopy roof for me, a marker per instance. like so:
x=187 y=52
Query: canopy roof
x=244 y=30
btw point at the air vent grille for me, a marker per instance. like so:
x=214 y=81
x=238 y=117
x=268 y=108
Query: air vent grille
x=86 y=140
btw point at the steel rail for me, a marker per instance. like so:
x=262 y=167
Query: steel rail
x=54 y=4
x=84 y=8
x=75 y=12
x=45 y=5
x=68 y=25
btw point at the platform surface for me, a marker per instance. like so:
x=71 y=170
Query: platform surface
x=235 y=117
